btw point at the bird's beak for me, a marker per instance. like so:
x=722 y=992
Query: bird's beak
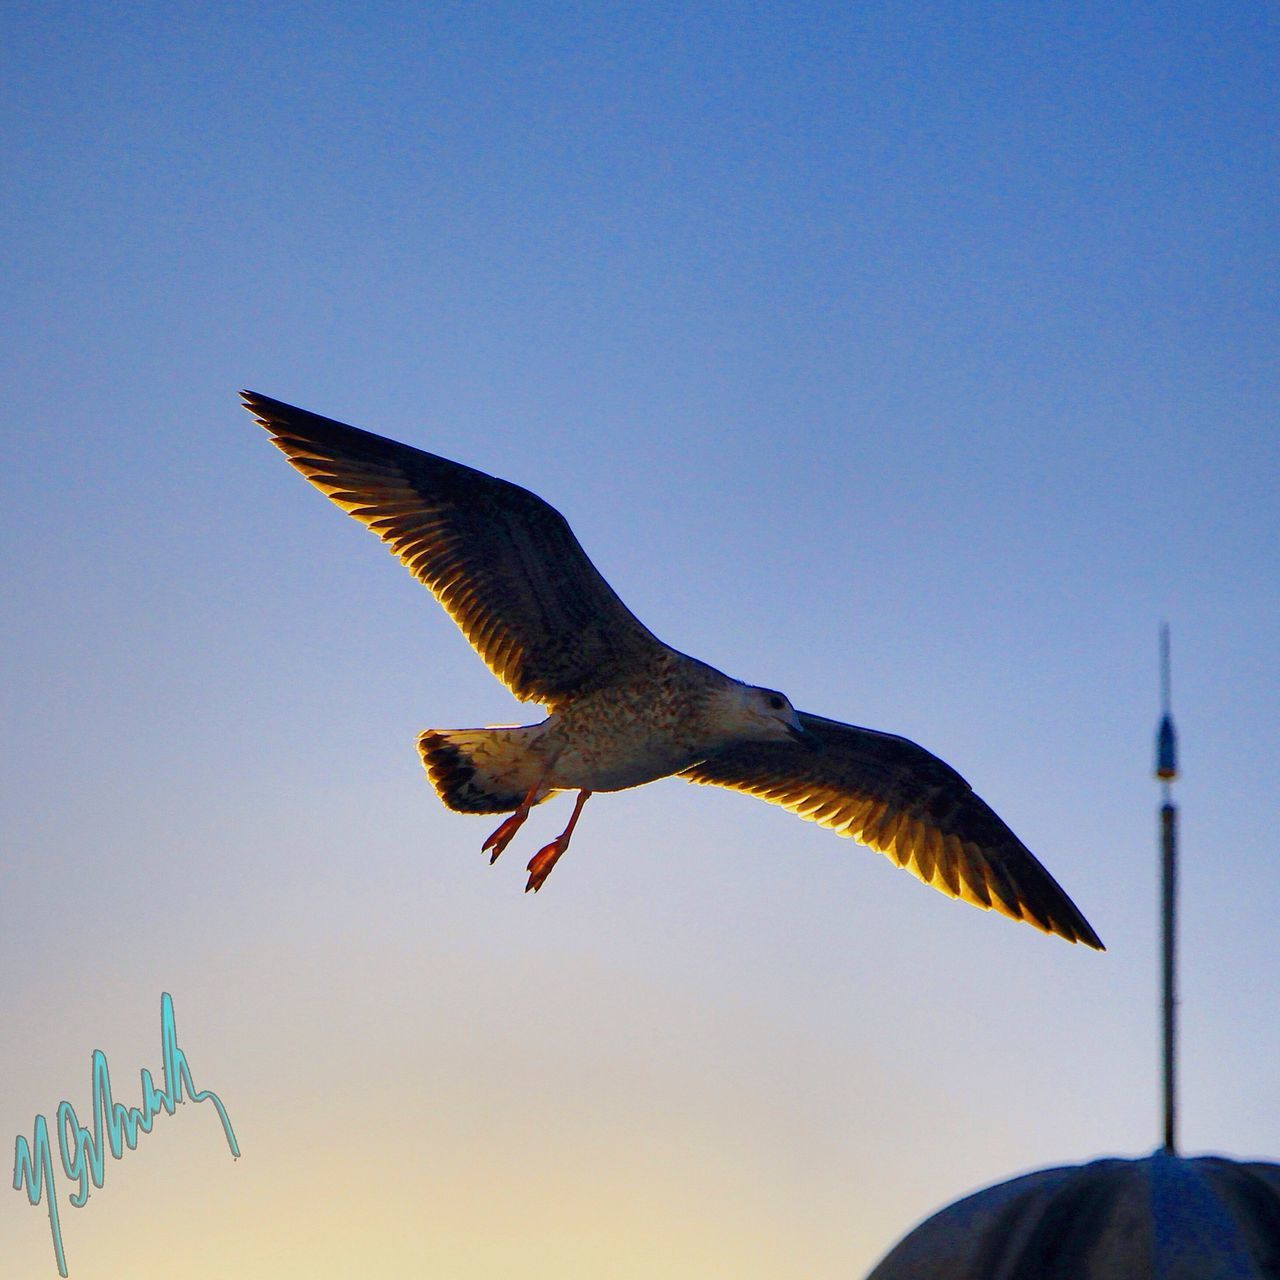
x=802 y=735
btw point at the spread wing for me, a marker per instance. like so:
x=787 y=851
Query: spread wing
x=503 y=562
x=895 y=797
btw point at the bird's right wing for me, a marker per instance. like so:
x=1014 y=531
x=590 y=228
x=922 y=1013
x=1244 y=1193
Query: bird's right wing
x=894 y=796
x=503 y=562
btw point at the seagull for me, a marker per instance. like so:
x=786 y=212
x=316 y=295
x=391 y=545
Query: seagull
x=623 y=708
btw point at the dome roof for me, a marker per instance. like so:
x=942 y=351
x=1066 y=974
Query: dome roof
x=1166 y=1217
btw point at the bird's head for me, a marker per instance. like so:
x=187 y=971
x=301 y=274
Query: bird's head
x=747 y=713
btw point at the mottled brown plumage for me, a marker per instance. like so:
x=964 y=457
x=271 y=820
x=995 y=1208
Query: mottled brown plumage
x=625 y=708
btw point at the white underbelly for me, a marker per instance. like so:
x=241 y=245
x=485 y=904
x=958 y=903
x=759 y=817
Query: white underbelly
x=609 y=767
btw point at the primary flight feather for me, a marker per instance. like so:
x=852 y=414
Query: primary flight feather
x=623 y=707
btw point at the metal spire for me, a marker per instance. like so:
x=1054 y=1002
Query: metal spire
x=1166 y=772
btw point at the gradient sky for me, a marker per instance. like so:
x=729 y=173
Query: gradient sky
x=916 y=359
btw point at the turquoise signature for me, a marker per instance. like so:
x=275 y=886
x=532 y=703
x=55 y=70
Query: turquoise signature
x=83 y=1152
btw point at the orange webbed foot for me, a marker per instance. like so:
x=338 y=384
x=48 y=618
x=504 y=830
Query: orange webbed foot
x=504 y=834
x=540 y=864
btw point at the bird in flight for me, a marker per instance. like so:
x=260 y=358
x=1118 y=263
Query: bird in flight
x=623 y=707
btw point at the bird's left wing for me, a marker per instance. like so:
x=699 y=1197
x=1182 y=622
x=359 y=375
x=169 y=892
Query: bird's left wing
x=895 y=797
x=502 y=561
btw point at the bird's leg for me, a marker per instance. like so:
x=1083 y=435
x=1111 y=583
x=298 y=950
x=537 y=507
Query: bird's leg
x=541 y=863
x=502 y=837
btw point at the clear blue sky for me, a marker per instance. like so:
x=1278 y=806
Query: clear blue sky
x=915 y=359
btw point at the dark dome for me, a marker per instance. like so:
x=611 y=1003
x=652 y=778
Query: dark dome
x=1165 y=1217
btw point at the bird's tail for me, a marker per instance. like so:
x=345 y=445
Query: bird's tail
x=481 y=770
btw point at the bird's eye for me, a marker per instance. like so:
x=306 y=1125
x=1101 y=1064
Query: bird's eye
x=775 y=702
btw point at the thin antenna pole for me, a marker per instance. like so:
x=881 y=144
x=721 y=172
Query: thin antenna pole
x=1166 y=678
x=1166 y=772
x=1169 y=841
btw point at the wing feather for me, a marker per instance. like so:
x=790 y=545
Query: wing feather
x=503 y=562
x=897 y=798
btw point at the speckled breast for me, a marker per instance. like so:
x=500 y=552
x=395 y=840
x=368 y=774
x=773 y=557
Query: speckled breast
x=629 y=734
